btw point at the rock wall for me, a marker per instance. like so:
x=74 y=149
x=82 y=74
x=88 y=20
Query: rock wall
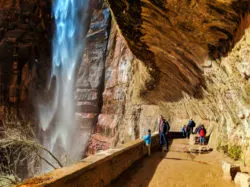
x=225 y=107
x=174 y=38
x=209 y=82
x=90 y=79
x=122 y=119
x=24 y=53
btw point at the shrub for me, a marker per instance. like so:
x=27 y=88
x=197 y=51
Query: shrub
x=235 y=152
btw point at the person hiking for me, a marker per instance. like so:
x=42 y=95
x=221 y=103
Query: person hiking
x=188 y=131
x=197 y=129
x=191 y=125
x=202 y=132
x=184 y=130
x=163 y=130
x=147 y=140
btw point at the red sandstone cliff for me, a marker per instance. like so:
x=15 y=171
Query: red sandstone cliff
x=174 y=58
x=181 y=59
x=25 y=33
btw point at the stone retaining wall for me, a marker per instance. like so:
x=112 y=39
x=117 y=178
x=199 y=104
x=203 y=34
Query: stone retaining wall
x=96 y=170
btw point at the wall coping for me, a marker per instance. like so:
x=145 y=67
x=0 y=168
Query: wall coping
x=84 y=165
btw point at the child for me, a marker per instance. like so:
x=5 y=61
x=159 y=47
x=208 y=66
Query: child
x=147 y=140
x=202 y=133
x=184 y=130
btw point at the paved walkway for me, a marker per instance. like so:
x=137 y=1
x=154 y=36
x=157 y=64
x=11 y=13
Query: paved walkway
x=176 y=169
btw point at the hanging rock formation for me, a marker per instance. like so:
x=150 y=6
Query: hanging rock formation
x=173 y=39
x=180 y=59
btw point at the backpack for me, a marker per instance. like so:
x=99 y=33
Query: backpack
x=193 y=123
x=165 y=127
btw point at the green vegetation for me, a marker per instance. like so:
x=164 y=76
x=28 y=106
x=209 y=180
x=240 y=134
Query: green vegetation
x=233 y=151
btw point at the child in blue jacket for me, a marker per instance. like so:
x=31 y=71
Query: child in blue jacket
x=147 y=140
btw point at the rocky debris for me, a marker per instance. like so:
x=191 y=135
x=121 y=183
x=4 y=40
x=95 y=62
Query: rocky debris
x=242 y=179
x=229 y=170
x=205 y=149
x=200 y=149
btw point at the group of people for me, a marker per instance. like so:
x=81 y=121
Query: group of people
x=164 y=128
x=189 y=129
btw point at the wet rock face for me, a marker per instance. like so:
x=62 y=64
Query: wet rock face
x=173 y=38
x=90 y=79
x=112 y=108
x=24 y=49
x=91 y=72
x=122 y=119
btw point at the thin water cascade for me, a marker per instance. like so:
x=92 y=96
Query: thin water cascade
x=63 y=136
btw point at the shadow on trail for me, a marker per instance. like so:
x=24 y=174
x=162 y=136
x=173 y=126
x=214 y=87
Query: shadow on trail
x=140 y=173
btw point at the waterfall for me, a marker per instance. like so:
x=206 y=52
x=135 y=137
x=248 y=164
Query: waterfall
x=63 y=136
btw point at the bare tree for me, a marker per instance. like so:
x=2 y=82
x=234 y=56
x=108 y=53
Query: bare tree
x=19 y=147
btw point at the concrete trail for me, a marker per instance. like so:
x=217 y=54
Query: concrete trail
x=177 y=168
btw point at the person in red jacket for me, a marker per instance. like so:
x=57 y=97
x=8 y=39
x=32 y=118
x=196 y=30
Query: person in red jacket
x=202 y=133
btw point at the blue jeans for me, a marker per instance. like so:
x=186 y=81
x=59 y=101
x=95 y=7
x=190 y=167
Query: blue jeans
x=202 y=140
x=163 y=139
x=183 y=133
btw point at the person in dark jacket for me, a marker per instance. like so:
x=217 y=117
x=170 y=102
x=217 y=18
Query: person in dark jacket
x=191 y=125
x=163 y=131
x=188 y=131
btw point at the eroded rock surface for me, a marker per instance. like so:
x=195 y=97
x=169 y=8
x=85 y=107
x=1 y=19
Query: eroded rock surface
x=24 y=53
x=89 y=84
x=173 y=38
x=180 y=59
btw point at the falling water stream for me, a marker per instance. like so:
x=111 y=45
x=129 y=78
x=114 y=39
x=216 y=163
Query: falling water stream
x=63 y=136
